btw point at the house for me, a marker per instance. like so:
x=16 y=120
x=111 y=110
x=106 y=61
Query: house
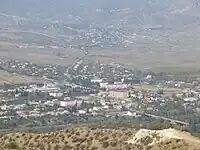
x=190 y=99
x=56 y=94
x=69 y=103
x=96 y=80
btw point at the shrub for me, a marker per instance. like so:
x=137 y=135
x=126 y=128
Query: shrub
x=82 y=147
x=105 y=144
x=62 y=137
x=30 y=137
x=89 y=142
x=66 y=131
x=41 y=147
x=77 y=145
x=69 y=135
x=114 y=135
x=94 y=148
x=57 y=147
x=104 y=139
x=113 y=143
x=91 y=138
x=36 y=138
x=78 y=134
x=146 y=140
x=48 y=147
x=10 y=139
x=26 y=143
x=128 y=147
x=5 y=138
x=17 y=136
x=31 y=145
x=67 y=147
x=74 y=140
x=66 y=142
x=12 y=145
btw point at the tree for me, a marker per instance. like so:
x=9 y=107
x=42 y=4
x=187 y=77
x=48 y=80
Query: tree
x=193 y=124
x=74 y=108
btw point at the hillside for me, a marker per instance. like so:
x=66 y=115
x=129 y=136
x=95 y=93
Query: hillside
x=98 y=139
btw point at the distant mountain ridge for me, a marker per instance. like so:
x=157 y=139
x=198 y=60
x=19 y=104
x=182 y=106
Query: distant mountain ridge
x=145 y=12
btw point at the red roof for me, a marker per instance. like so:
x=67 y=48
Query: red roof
x=68 y=100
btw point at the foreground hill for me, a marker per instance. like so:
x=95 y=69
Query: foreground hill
x=98 y=139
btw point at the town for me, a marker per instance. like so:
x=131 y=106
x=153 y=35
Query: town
x=93 y=92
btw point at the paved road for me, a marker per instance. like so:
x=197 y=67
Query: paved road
x=161 y=117
x=168 y=119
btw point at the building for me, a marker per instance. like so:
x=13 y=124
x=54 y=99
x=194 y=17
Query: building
x=119 y=94
x=115 y=86
x=69 y=103
x=56 y=94
x=45 y=88
x=190 y=99
x=96 y=80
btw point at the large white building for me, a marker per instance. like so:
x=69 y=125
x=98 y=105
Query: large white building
x=45 y=88
x=114 y=86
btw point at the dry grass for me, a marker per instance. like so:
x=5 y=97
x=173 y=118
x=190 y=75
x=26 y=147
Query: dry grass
x=82 y=138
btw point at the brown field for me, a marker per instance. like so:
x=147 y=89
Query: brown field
x=6 y=77
x=181 y=61
x=41 y=56
x=157 y=60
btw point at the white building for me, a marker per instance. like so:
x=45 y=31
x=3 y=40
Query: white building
x=190 y=99
x=82 y=112
x=55 y=94
x=69 y=103
x=114 y=86
x=96 y=80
